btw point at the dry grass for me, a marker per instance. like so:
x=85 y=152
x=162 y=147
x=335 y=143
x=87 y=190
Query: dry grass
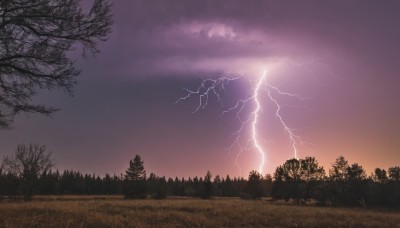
x=85 y=211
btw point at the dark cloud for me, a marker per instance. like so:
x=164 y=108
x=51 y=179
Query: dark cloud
x=156 y=37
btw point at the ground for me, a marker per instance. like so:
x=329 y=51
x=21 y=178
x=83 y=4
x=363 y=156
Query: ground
x=103 y=211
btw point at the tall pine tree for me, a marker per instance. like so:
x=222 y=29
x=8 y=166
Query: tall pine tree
x=135 y=179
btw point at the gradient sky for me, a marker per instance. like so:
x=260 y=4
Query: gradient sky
x=124 y=102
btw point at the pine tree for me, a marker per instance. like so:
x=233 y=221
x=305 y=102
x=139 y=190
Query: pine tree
x=208 y=188
x=135 y=179
x=136 y=171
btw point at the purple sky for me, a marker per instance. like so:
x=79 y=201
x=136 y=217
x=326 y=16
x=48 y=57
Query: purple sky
x=124 y=103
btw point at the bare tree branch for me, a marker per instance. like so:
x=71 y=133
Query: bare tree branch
x=35 y=37
x=29 y=163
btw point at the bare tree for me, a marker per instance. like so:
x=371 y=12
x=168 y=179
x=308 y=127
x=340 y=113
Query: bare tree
x=35 y=38
x=29 y=163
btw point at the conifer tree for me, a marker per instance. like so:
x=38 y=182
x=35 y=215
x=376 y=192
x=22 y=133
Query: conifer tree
x=208 y=188
x=135 y=179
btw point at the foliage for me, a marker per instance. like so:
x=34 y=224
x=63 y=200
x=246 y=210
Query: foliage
x=135 y=179
x=339 y=169
x=136 y=171
x=380 y=176
x=297 y=179
x=301 y=180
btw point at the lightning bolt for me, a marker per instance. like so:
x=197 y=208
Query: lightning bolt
x=291 y=132
x=206 y=88
x=249 y=121
x=254 y=123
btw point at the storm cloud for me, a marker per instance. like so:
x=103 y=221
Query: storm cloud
x=123 y=104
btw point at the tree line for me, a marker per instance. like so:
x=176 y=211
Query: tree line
x=30 y=171
x=303 y=180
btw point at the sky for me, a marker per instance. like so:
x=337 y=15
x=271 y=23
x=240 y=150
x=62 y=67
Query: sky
x=342 y=57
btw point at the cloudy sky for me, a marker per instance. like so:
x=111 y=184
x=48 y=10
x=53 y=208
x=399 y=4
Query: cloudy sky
x=343 y=56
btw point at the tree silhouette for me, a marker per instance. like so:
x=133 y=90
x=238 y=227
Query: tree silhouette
x=300 y=180
x=339 y=169
x=29 y=163
x=161 y=190
x=136 y=171
x=355 y=172
x=208 y=188
x=311 y=175
x=380 y=176
x=292 y=175
x=310 y=170
x=9 y=183
x=297 y=179
x=254 y=188
x=394 y=173
x=217 y=185
x=356 y=185
x=135 y=179
x=338 y=186
x=227 y=187
x=35 y=38
x=393 y=194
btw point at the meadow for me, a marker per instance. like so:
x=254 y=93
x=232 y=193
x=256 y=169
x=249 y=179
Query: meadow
x=113 y=211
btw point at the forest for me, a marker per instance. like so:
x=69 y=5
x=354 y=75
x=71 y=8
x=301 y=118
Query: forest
x=30 y=171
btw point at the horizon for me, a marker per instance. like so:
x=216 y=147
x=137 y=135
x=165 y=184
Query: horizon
x=245 y=177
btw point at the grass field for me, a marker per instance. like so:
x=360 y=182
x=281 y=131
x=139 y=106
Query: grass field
x=102 y=211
